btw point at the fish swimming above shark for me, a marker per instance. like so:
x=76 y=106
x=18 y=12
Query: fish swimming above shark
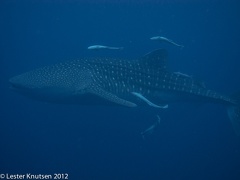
x=104 y=81
x=164 y=39
x=98 y=47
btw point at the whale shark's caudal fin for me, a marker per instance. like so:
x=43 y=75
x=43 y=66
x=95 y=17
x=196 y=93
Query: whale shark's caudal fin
x=234 y=114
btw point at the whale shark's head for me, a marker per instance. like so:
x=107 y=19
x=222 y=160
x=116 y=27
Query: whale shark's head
x=52 y=82
x=39 y=85
x=20 y=83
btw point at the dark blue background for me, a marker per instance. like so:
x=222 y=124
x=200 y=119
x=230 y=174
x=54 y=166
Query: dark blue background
x=193 y=141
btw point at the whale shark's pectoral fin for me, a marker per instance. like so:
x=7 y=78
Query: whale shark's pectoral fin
x=111 y=97
x=148 y=102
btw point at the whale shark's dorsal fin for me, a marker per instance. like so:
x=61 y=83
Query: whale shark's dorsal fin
x=156 y=58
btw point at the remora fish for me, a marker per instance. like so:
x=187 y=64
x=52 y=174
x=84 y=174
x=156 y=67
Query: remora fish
x=163 y=39
x=113 y=81
x=97 y=47
x=151 y=129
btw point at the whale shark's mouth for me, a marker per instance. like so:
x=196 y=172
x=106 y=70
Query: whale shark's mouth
x=15 y=85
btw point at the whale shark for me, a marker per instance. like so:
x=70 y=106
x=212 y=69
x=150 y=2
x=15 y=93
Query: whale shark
x=144 y=81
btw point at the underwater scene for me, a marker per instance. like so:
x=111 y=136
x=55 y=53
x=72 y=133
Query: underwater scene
x=120 y=90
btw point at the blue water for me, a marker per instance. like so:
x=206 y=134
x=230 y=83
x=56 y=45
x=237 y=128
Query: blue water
x=194 y=141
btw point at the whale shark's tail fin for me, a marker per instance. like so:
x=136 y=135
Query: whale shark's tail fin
x=234 y=114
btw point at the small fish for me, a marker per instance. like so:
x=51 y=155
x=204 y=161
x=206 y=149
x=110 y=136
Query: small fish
x=163 y=39
x=151 y=129
x=97 y=47
x=197 y=82
x=182 y=74
x=148 y=102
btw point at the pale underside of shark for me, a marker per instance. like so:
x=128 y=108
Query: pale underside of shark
x=130 y=83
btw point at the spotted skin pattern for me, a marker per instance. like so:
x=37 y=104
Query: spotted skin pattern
x=114 y=80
